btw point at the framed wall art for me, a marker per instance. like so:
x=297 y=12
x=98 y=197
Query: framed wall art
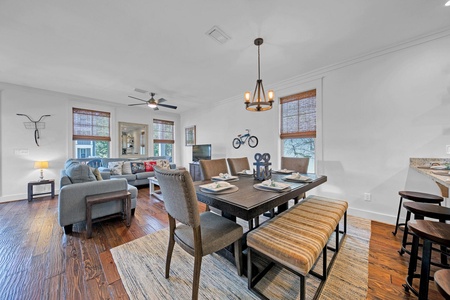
x=189 y=135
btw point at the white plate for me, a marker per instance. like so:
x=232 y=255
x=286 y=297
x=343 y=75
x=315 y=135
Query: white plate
x=216 y=186
x=278 y=186
x=246 y=172
x=284 y=171
x=296 y=178
x=229 y=178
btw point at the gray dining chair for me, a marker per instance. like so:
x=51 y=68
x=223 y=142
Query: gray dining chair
x=212 y=167
x=197 y=234
x=237 y=165
x=298 y=164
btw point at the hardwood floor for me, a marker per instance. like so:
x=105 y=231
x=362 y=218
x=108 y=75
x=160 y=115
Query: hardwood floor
x=38 y=261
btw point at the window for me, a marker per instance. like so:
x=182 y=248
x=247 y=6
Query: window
x=298 y=126
x=91 y=133
x=163 y=137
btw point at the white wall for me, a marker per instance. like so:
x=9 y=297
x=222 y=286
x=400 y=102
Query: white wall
x=56 y=139
x=375 y=113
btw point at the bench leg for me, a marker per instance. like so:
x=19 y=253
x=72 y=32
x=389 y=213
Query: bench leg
x=337 y=238
x=302 y=287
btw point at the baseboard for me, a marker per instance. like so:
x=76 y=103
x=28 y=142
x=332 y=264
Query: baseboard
x=384 y=218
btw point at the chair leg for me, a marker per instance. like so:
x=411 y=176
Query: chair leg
x=197 y=270
x=171 y=245
x=398 y=216
x=238 y=256
x=405 y=234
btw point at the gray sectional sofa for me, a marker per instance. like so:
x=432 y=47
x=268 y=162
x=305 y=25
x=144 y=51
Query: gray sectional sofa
x=135 y=179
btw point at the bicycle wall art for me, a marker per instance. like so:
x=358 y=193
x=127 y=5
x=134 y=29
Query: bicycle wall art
x=245 y=138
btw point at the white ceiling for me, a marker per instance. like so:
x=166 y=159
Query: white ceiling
x=104 y=49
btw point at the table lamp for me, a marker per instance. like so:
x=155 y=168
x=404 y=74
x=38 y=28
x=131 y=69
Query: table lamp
x=41 y=165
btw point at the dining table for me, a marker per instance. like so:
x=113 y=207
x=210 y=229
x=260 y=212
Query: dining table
x=247 y=202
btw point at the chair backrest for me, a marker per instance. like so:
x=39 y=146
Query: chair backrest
x=180 y=199
x=238 y=164
x=213 y=167
x=298 y=164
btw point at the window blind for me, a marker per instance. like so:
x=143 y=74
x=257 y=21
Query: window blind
x=163 y=131
x=298 y=115
x=90 y=125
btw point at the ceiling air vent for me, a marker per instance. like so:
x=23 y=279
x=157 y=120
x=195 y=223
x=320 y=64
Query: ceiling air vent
x=140 y=91
x=218 y=35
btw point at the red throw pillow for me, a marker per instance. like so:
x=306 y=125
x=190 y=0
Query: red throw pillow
x=149 y=165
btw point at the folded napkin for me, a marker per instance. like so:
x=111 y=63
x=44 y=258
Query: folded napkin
x=298 y=176
x=248 y=172
x=218 y=185
x=224 y=175
x=274 y=184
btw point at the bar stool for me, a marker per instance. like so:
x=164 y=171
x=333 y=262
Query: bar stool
x=430 y=232
x=421 y=210
x=442 y=281
x=416 y=197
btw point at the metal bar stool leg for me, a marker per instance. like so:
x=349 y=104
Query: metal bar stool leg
x=398 y=216
x=405 y=233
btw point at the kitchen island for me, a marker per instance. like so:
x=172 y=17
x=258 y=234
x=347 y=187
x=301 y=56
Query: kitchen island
x=440 y=176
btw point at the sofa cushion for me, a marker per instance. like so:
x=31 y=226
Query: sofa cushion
x=128 y=177
x=115 y=167
x=137 y=167
x=79 y=173
x=126 y=168
x=97 y=174
x=163 y=163
x=145 y=175
x=149 y=165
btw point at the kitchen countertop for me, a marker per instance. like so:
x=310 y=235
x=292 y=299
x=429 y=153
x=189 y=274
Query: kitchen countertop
x=422 y=165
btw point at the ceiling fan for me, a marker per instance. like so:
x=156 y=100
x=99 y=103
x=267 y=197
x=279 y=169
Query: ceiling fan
x=152 y=102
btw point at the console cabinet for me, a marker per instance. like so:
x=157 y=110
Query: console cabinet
x=194 y=170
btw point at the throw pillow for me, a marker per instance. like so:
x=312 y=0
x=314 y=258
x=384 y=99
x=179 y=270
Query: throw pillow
x=149 y=165
x=97 y=174
x=126 y=168
x=115 y=167
x=163 y=164
x=79 y=173
x=137 y=167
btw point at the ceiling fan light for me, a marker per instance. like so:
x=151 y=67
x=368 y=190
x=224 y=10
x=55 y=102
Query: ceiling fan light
x=151 y=105
x=448 y=3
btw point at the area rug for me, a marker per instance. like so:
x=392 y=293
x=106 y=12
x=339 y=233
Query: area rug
x=141 y=266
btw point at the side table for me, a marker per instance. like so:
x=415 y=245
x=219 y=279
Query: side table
x=156 y=193
x=31 y=184
x=125 y=196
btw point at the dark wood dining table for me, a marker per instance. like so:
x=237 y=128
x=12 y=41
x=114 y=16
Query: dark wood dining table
x=248 y=203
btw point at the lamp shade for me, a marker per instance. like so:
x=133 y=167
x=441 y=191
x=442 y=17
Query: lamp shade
x=41 y=164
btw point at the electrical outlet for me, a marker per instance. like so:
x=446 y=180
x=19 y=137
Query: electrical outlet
x=367 y=197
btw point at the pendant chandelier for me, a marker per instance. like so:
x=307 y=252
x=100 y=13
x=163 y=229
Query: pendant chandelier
x=259 y=102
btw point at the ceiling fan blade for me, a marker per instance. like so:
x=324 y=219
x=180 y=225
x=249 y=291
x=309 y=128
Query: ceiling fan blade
x=168 y=106
x=138 y=99
x=162 y=100
x=137 y=104
x=155 y=108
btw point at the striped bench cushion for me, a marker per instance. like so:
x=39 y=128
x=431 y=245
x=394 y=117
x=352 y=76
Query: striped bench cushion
x=296 y=237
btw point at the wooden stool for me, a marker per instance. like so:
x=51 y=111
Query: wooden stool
x=430 y=232
x=421 y=210
x=442 y=281
x=416 y=197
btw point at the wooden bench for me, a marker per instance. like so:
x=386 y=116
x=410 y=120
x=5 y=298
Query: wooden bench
x=125 y=196
x=296 y=238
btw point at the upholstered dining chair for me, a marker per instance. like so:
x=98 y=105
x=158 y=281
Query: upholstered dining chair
x=298 y=164
x=238 y=165
x=212 y=167
x=198 y=234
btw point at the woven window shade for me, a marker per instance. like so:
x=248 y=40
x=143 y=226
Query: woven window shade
x=91 y=125
x=298 y=115
x=163 y=132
